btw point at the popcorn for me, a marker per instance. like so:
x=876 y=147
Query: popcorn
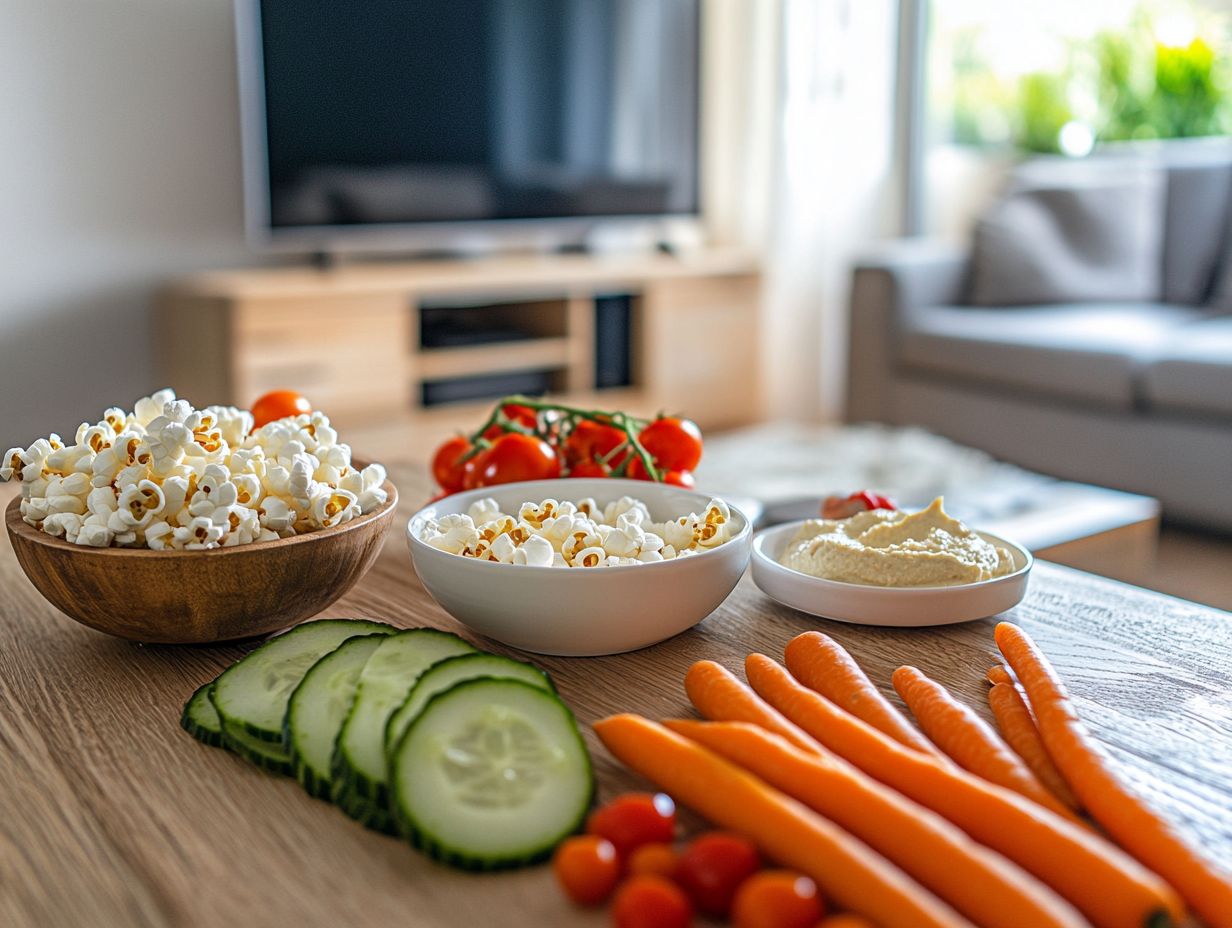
x=551 y=533
x=168 y=476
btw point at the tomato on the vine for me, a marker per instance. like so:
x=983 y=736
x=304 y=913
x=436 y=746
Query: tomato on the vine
x=712 y=867
x=658 y=858
x=278 y=404
x=675 y=443
x=679 y=478
x=637 y=470
x=514 y=412
x=515 y=457
x=447 y=464
x=590 y=468
x=649 y=901
x=587 y=868
x=590 y=439
x=634 y=819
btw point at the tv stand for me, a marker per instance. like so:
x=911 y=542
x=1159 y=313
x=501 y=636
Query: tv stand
x=354 y=341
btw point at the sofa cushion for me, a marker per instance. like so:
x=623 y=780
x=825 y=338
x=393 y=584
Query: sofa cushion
x=1195 y=223
x=1083 y=239
x=1087 y=352
x=1192 y=371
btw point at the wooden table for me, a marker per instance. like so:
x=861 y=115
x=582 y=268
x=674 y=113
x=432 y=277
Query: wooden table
x=110 y=815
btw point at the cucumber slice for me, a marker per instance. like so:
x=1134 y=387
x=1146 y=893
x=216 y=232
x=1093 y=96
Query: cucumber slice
x=318 y=707
x=492 y=774
x=200 y=718
x=444 y=674
x=251 y=695
x=264 y=754
x=359 y=768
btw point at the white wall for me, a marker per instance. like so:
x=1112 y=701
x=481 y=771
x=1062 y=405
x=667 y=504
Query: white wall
x=119 y=168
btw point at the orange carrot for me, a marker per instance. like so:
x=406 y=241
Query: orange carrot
x=998 y=674
x=1019 y=731
x=844 y=920
x=843 y=868
x=968 y=740
x=1108 y=886
x=1087 y=769
x=979 y=883
x=822 y=664
x=718 y=694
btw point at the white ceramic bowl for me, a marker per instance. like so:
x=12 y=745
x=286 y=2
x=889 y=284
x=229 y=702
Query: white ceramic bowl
x=901 y=607
x=579 y=612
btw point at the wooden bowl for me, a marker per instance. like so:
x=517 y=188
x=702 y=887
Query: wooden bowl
x=196 y=597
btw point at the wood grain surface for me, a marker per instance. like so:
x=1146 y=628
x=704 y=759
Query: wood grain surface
x=110 y=815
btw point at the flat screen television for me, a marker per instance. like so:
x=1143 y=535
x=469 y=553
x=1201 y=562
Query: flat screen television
x=443 y=124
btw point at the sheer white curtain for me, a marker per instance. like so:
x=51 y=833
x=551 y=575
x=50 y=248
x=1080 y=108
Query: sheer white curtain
x=835 y=189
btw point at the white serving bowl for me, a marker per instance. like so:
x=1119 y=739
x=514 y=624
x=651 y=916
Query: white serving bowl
x=575 y=611
x=901 y=607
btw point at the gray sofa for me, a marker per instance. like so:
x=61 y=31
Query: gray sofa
x=1133 y=395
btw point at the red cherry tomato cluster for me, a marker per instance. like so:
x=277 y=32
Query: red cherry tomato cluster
x=628 y=855
x=531 y=440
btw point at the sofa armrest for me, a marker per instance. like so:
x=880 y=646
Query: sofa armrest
x=889 y=284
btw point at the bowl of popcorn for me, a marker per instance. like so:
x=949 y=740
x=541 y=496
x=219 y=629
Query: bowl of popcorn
x=181 y=525
x=579 y=567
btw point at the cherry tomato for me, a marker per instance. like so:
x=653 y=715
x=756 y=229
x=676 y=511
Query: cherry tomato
x=472 y=470
x=776 y=899
x=587 y=868
x=278 y=404
x=648 y=901
x=590 y=439
x=514 y=457
x=634 y=819
x=657 y=857
x=873 y=500
x=712 y=867
x=446 y=468
x=637 y=470
x=522 y=415
x=590 y=468
x=679 y=478
x=673 y=442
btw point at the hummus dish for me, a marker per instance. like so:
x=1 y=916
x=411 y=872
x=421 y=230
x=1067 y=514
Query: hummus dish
x=887 y=547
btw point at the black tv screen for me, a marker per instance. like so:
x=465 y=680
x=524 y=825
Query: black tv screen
x=445 y=111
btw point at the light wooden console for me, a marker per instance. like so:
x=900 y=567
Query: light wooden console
x=349 y=337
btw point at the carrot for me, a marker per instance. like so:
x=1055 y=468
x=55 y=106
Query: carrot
x=1086 y=768
x=1108 y=886
x=717 y=694
x=1019 y=731
x=979 y=883
x=968 y=740
x=844 y=869
x=998 y=674
x=824 y=665
x=844 y=920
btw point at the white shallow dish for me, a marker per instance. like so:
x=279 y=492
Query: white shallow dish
x=901 y=607
x=579 y=612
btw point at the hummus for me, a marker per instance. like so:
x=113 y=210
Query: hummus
x=886 y=547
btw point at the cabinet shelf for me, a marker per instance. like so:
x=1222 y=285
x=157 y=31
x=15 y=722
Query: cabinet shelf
x=531 y=354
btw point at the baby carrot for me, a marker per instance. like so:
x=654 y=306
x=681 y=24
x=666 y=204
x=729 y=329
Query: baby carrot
x=844 y=869
x=1086 y=768
x=979 y=883
x=968 y=740
x=1108 y=886
x=844 y=920
x=824 y=665
x=717 y=694
x=1019 y=731
x=998 y=674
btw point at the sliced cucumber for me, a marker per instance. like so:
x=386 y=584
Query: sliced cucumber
x=251 y=695
x=318 y=707
x=492 y=774
x=444 y=674
x=200 y=718
x=265 y=754
x=359 y=768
